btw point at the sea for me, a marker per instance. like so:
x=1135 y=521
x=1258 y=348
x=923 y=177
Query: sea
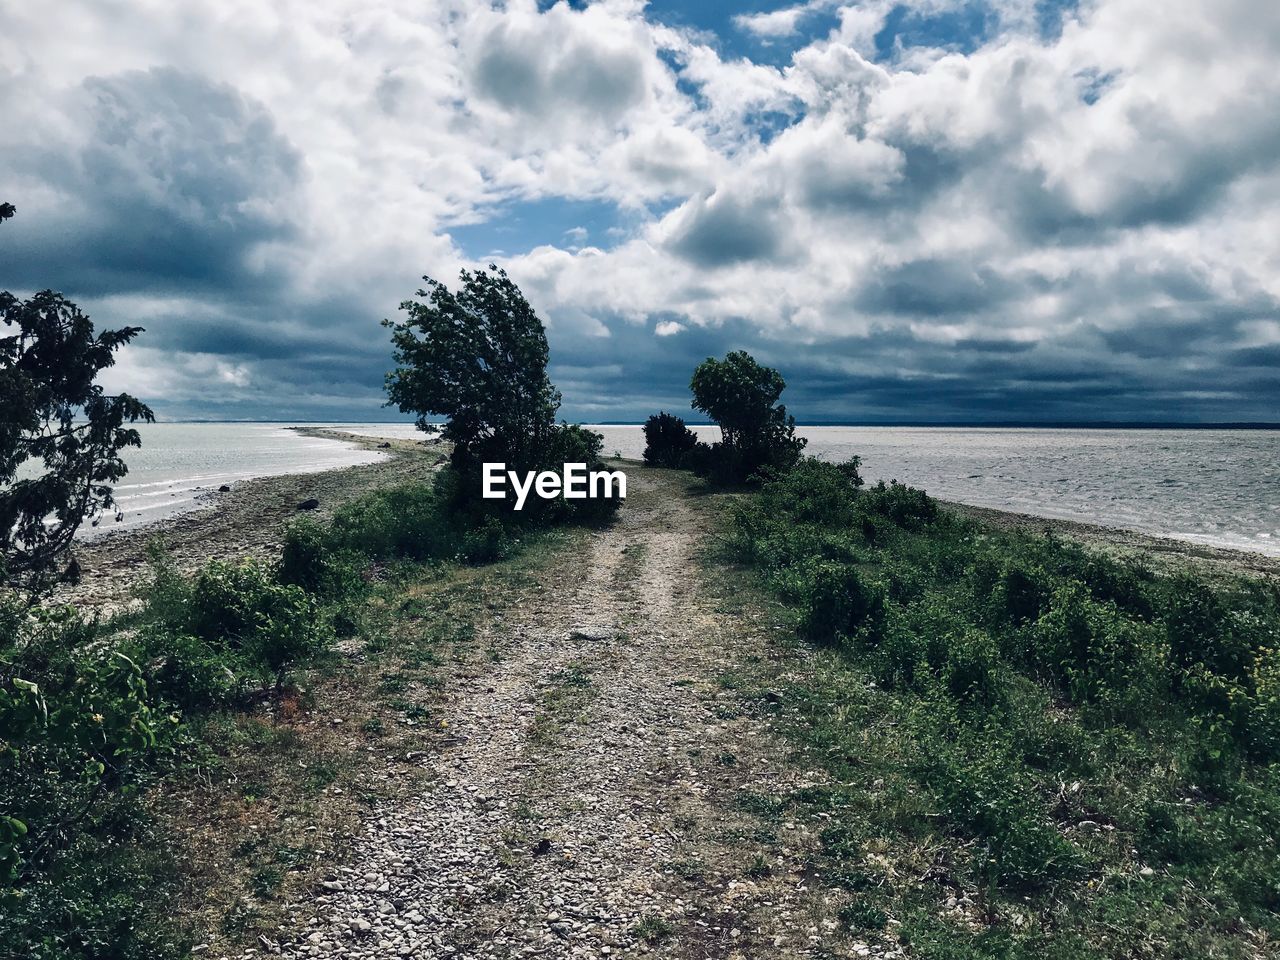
x=1216 y=487
x=180 y=464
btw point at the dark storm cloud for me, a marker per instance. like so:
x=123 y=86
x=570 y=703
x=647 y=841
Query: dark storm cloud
x=177 y=181
x=933 y=287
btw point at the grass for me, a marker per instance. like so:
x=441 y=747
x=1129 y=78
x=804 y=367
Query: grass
x=1032 y=750
x=260 y=776
x=652 y=929
x=563 y=697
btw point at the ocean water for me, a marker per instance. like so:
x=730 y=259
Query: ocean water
x=1218 y=487
x=179 y=462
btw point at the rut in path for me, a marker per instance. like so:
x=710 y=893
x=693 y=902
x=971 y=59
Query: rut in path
x=584 y=806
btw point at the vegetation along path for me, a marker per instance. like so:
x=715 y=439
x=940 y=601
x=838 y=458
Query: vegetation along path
x=583 y=801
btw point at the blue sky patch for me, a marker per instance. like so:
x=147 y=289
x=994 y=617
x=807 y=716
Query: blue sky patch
x=962 y=30
x=520 y=225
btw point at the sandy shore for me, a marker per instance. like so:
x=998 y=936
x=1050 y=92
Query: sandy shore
x=249 y=520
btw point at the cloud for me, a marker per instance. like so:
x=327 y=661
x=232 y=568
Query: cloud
x=171 y=181
x=774 y=23
x=935 y=208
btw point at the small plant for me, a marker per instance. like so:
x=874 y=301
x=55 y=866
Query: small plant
x=839 y=603
x=860 y=915
x=758 y=868
x=652 y=929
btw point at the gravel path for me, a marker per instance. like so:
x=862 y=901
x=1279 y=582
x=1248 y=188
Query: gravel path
x=583 y=805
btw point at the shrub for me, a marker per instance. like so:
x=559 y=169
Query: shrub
x=192 y=674
x=980 y=791
x=667 y=441
x=243 y=608
x=971 y=670
x=78 y=722
x=402 y=522
x=840 y=604
x=1264 y=713
x=1200 y=629
x=905 y=506
x=233 y=616
x=309 y=559
x=1022 y=593
x=1095 y=652
x=571 y=443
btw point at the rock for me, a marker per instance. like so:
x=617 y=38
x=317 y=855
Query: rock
x=384 y=446
x=597 y=634
x=543 y=846
x=224 y=489
x=311 y=504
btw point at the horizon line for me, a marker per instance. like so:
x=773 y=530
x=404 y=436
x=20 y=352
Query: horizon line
x=954 y=424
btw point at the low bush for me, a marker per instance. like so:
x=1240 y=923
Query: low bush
x=408 y=522
x=228 y=626
x=841 y=605
x=667 y=441
x=905 y=506
x=309 y=559
x=82 y=735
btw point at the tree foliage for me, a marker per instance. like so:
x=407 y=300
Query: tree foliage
x=59 y=423
x=478 y=357
x=741 y=396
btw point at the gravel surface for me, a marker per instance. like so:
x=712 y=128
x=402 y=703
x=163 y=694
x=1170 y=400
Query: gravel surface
x=583 y=804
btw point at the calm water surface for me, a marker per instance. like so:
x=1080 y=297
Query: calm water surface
x=179 y=462
x=1219 y=487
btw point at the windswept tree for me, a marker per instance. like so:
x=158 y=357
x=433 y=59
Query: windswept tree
x=479 y=358
x=741 y=396
x=60 y=433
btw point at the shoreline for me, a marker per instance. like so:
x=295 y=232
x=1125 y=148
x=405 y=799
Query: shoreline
x=249 y=520
x=1165 y=553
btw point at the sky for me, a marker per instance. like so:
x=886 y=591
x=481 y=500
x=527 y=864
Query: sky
x=931 y=210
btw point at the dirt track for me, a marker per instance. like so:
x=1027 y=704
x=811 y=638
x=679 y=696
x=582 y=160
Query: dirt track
x=584 y=802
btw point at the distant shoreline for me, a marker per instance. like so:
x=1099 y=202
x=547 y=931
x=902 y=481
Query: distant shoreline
x=885 y=424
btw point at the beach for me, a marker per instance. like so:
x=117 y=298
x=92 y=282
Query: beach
x=246 y=521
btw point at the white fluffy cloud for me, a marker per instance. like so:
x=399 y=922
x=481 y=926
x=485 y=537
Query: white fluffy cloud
x=1080 y=217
